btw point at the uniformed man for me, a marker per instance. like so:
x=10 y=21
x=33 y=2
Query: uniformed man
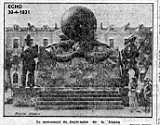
x=28 y=55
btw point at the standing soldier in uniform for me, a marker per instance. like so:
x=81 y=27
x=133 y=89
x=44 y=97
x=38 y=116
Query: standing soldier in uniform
x=28 y=55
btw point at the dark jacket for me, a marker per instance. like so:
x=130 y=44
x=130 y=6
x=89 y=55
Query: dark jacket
x=28 y=56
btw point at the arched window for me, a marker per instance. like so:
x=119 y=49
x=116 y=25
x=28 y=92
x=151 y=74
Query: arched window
x=15 y=78
x=30 y=78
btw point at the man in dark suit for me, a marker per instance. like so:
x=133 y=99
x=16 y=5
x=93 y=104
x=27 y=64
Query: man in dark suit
x=28 y=55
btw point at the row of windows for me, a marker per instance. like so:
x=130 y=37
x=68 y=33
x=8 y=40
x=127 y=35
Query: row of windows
x=45 y=41
x=15 y=79
x=16 y=42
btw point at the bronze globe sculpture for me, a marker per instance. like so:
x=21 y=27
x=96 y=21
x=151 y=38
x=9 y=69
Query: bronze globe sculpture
x=79 y=23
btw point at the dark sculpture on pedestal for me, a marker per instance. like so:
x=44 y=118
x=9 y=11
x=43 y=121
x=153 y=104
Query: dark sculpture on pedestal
x=80 y=53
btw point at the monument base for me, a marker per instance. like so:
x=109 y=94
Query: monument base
x=68 y=98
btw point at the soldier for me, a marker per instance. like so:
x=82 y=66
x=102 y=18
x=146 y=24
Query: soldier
x=28 y=55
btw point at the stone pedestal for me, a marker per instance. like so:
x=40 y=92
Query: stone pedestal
x=77 y=73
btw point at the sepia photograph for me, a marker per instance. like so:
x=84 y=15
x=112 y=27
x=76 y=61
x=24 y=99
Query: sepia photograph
x=78 y=60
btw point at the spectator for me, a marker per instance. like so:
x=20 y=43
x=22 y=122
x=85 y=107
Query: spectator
x=132 y=94
x=147 y=94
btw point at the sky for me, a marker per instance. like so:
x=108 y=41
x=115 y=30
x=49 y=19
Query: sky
x=108 y=14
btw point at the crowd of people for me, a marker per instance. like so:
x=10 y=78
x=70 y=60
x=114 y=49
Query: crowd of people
x=140 y=97
x=136 y=60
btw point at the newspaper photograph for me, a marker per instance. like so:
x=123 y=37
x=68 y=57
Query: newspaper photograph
x=92 y=63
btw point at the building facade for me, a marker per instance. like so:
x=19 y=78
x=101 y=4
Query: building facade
x=115 y=37
x=14 y=44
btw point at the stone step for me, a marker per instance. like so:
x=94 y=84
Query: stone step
x=78 y=95
x=93 y=85
x=79 y=91
x=79 y=99
x=80 y=88
x=58 y=98
x=78 y=107
x=79 y=102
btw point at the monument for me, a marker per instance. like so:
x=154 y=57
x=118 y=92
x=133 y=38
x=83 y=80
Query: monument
x=78 y=72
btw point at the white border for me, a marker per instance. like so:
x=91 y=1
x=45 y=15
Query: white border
x=123 y=121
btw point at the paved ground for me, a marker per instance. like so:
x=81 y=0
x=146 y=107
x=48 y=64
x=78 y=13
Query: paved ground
x=10 y=110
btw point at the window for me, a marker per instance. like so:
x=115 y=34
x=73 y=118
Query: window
x=15 y=78
x=45 y=42
x=111 y=43
x=15 y=43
